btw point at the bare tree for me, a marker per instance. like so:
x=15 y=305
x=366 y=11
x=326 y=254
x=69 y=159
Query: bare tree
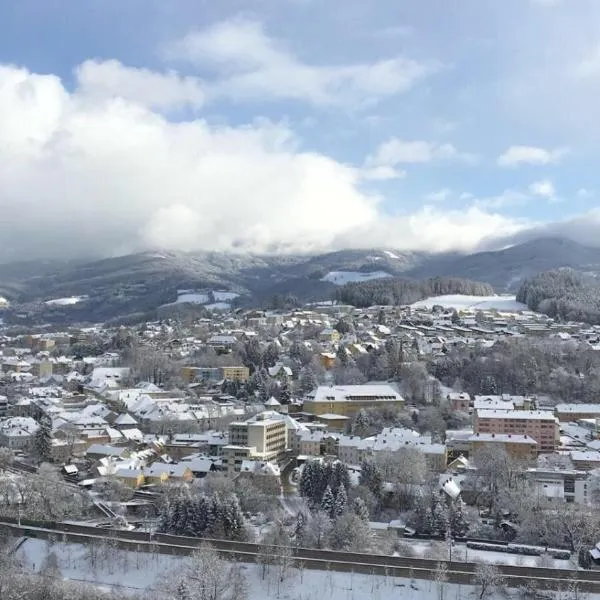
x=440 y=577
x=206 y=576
x=488 y=579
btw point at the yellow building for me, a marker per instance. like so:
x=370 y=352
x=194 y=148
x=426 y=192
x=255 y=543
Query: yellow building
x=347 y=400
x=520 y=447
x=241 y=374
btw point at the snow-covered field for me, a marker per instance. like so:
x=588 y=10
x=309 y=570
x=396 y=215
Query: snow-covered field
x=65 y=301
x=222 y=299
x=133 y=572
x=192 y=298
x=218 y=306
x=224 y=296
x=343 y=277
x=462 y=302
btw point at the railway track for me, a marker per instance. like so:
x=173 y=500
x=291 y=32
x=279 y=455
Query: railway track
x=395 y=566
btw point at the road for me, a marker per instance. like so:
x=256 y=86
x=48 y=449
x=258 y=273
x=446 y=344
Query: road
x=395 y=566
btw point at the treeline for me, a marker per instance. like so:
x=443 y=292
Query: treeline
x=563 y=294
x=396 y=291
x=563 y=370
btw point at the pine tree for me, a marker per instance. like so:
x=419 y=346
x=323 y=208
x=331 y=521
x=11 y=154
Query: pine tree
x=328 y=502
x=440 y=517
x=341 y=499
x=339 y=476
x=459 y=525
x=43 y=440
x=285 y=394
x=307 y=480
x=360 y=509
x=371 y=478
x=300 y=527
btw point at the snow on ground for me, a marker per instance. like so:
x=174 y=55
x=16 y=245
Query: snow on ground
x=343 y=277
x=218 y=306
x=192 y=298
x=224 y=296
x=70 y=300
x=135 y=571
x=463 y=302
x=390 y=254
x=460 y=552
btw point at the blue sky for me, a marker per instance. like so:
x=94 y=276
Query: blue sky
x=297 y=124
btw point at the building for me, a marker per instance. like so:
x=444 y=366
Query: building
x=574 y=412
x=540 y=425
x=349 y=399
x=459 y=401
x=18 y=433
x=520 y=447
x=263 y=437
x=214 y=374
x=563 y=485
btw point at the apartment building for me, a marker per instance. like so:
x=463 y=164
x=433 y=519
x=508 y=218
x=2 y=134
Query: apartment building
x=264 y=437
x=574 y=412
x=347 y=400
x=520 y=447
x=540 y=425
x=214 y=374
x=562 y=485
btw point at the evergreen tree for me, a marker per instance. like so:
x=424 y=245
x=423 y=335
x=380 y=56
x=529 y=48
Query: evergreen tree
x=341 y=499
x=360 y=509
x=339 y=476
x=459 y=525
x=328 y=502
x=342 y=355
x=300 y=527
x=440 y=518
x=285 y=394
x=43 y=440
x=307 y=380
x=371 y=478
x=308 y=481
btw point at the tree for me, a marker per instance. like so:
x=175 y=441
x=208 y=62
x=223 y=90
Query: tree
x=328 y=502
x=350 y=533
x=316 y=531
x=206 y=576
x=360 y=509
x=441 y=578
x=285 y=394
x=43 y=440
x=459 y=525
x=6 y=458
x=371 y=477
x=488 y=579
x=339 y=506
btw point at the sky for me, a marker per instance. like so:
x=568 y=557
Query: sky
x=296 y=125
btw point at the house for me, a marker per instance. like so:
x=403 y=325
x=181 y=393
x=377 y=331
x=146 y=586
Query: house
x=520 y=447
x=161 y=473
x=264 y=475
x=18 y=433
x=280 y=372
x=130 y=477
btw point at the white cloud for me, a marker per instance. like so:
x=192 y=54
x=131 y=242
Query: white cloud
x=435 y=230
x=249 y=65
x=111 y=79
x=531 y=155
x=439 y=196
x=396 y=152
x=505 y=199
x=585 y=194
x=543 y=189
x=99 y=174
x=381 y=173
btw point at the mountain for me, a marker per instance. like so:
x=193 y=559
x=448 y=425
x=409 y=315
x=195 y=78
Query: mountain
x=140 y=283
x=506 y=269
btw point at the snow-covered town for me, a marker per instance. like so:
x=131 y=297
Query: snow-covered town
x=327 y=428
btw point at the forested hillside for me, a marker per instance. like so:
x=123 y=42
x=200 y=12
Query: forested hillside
x=563 y=294
x=397 y=291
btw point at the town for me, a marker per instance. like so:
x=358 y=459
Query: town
x=326 y=427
